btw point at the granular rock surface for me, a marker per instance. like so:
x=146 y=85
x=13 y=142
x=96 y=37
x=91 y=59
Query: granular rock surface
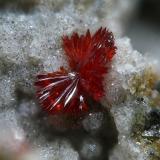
x=30 y=43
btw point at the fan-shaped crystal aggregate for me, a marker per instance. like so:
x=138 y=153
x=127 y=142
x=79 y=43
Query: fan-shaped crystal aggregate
x=89 y=58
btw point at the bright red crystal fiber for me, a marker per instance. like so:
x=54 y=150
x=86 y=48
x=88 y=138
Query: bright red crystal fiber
x=89 y=57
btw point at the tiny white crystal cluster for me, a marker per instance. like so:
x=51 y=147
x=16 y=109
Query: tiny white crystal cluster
x=31 y=43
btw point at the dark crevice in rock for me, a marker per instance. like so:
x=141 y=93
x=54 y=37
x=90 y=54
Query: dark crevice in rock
x=6 y=65
x=20 y=95
x=24 y=86
x=18 y=5
x=31 y=67
x=147 y=125
x=153 y=120
x=157 y=86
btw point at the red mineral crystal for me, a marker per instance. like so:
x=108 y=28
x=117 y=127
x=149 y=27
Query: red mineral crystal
x=68 y=92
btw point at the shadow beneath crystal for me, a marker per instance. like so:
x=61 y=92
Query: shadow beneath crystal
x=72 y=130
x=61 y=127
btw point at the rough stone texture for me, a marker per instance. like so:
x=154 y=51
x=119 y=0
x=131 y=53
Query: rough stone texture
x=58 y=150
x=90 y=149
x=132 y=110
x=31 y=43
x=11 y=135
x=127 y=62
x=93 y=122
x=136 y=140
x=127 y=148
